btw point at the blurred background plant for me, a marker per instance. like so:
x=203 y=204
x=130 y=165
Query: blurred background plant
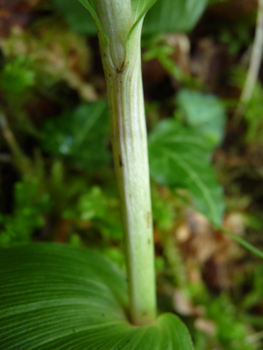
x=57 y=180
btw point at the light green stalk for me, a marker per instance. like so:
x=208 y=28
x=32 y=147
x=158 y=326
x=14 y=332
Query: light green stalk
x=121 y=56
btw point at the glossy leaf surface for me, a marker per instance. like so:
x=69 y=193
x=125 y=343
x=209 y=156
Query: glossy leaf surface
x=80 y=135
x=180 y=157
x=59 y=297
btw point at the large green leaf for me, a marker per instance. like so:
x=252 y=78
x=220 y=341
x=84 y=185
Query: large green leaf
x=79 y=21
x=205 y=113
x=180 y=157
x=165 y=16
x=169 y=16
x=59 y=297
x=80 y=135
x=90 y=6
x=141 y=7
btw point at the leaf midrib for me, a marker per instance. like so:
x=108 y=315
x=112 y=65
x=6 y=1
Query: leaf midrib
x=195 y=178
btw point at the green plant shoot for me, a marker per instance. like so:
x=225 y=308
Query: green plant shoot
x=119 y=26
x=78 y=298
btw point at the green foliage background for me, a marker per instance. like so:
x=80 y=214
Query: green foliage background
x=57 y=179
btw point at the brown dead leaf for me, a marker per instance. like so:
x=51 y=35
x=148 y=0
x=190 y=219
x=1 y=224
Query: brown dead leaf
x=16 y=13
x=184 y=305
x=206 y=326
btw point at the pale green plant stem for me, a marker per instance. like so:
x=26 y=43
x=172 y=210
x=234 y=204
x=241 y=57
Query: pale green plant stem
x=129 y=143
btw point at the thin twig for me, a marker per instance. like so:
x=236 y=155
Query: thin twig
x=174 y=259
x=242 y=242
x=254 y=66
x=20 y=159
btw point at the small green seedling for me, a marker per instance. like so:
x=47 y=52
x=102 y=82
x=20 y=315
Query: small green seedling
x=60 y=297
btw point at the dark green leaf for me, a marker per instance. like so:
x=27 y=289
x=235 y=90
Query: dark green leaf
x=140 y=7
x=169 y=16
x=80 y=135
x=59 y=297
x=76 y=16
x=166 y=16
x=180 y=157
x=205 y=113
